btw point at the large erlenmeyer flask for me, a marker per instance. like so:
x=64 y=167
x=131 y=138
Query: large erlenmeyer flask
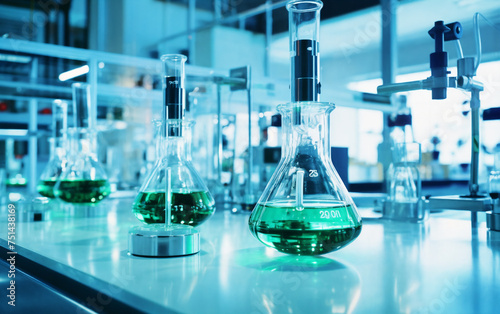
x=305 y=208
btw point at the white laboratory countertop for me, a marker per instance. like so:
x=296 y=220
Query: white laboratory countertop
x=442 y=266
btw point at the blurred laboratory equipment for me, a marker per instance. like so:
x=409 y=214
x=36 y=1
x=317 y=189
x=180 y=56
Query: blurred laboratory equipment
x=270 y=147
x=224 y=163
x=58 y=145
x=189 y=199
x=15 y=163
x=401 y=131
x=494 y=179
x=493 y=218
x=438 y=83
x=34 y=209
x=403 y=178
x=240 y=79
x=400 y=122
x=404 y=185
x=305 y=208
x=173 y=199
x=152 y=152
x=84 y=179
x=3 y=187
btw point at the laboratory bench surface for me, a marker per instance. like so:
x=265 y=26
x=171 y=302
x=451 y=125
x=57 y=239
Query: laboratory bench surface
x=441 y=266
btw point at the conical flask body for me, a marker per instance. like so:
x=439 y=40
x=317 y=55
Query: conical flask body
x=56 y=165
x=190 y=200
x=305 y=208
x=58 y=150
x=84 y=179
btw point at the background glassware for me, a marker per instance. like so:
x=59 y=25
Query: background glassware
x=84 y=179
x=404 y=185
x=3 y=186
x=494 y=178
x=58 y=146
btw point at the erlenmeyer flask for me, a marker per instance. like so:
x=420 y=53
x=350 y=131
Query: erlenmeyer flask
x=190 y=201
x=305 y=208
x=58 y=146
x=84 y=179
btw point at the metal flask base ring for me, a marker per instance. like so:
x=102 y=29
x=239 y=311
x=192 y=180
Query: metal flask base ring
x=158 y=240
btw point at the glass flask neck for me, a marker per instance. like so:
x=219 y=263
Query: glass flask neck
x=304 y=17
x=84 y=113
x=83 y=142
x=59 y=118
x=402 y=134
x=406 y=154
x=174 y=95
x=57 y=147
x=175 y=146
x=306 y=125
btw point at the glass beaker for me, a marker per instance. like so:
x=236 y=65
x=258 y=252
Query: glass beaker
x=404 y=185
x=174 y=182
x=84 y=179
x=305 y=208
x=58 y=146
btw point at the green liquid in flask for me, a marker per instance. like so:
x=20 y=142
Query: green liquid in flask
x=46 y=188
x=188 y=208
x=316 y=228
x=83 y=191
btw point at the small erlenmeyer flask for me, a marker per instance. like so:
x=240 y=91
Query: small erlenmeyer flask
x=58 y=145
x=190 y=201
x=305 y=208
x=84 y=179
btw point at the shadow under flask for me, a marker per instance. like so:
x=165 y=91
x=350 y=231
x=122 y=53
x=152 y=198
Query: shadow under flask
x=84 y=179
x=188 y=197
x=58 y=146
x=305 y=208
